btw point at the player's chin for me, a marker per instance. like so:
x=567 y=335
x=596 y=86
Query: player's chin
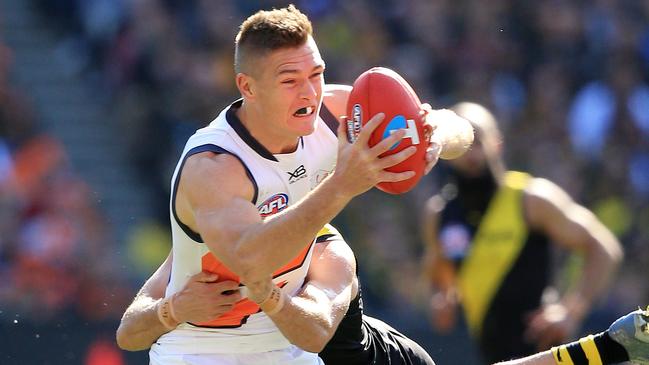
x=304 y=125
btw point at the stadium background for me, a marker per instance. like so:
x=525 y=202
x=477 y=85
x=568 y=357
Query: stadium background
x=98 y=96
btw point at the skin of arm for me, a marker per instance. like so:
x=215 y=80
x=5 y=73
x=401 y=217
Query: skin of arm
x=214 y=196
x=309 y=319
x=550 y=210
x=438 y=270
x=202 y=298
x=140 y=326
x=214 y=199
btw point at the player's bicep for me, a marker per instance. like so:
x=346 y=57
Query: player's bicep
x=156 y=285
x=332 y=273
x=332 y=265
x=214 y=199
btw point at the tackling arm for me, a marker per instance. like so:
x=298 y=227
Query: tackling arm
x=310 y=319
x=201 y=299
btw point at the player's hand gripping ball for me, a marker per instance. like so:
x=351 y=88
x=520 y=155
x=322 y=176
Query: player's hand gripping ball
x=381 y=90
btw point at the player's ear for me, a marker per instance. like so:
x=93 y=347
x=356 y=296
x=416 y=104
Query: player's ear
x=245 y=84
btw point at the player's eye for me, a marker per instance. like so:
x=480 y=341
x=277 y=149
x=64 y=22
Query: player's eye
x=317 y=74
x=288 y=82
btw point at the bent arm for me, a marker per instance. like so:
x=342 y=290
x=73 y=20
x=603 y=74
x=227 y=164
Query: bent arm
x=552 y=211
x=309 y=320
x=201 y=299
x=216 y=195
x=320 y=305
x=140 y=326
x=214 y=198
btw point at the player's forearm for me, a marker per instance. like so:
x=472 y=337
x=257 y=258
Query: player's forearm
x=266 y=246
x=453 y=133
x=140 y=326
x=306 y=321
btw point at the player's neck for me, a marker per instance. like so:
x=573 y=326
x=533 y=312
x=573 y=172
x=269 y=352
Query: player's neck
x=264 y=133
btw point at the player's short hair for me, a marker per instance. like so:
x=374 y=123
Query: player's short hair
x=267 y=31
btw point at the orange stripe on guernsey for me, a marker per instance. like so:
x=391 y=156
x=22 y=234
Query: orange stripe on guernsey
x=244 y=308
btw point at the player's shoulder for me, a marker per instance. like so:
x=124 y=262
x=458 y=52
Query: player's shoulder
x=212 y=162
x=544 y=190
x=335 y=98
x=544 y=201
x=337 y=89
x=225 y=171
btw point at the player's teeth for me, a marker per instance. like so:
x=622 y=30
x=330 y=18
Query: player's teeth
x=304 y=111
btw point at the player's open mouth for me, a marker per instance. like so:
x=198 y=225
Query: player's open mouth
x=304 y=112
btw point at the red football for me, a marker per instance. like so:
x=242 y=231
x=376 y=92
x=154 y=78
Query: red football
x=381 y=90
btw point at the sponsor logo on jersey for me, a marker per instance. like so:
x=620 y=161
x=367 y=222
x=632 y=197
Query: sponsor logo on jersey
x=273 y=205
x=400 y=122
x=319 y=177
x=298 y=174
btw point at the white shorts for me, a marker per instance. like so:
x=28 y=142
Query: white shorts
x=289 y=356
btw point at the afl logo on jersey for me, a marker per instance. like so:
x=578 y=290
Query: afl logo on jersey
x=274 y=204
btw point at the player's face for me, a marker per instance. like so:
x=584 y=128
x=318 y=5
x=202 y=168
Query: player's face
x=290 y=91
x=474 y=161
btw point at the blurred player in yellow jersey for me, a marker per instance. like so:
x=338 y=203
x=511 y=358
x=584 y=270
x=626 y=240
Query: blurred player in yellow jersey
x=488 y=242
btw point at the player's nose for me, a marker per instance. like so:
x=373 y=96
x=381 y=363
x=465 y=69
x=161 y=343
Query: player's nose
x=308 y=91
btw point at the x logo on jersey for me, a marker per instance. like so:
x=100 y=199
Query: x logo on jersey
x=296 y=175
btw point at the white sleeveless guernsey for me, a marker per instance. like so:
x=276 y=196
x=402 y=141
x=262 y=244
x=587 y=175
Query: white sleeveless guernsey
x=279 y=181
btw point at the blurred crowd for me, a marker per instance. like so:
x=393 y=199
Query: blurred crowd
x=568 y=80
x=57 y=260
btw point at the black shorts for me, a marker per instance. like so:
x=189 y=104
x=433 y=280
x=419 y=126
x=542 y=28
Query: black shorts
x=381 y=345
x=389 y=346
